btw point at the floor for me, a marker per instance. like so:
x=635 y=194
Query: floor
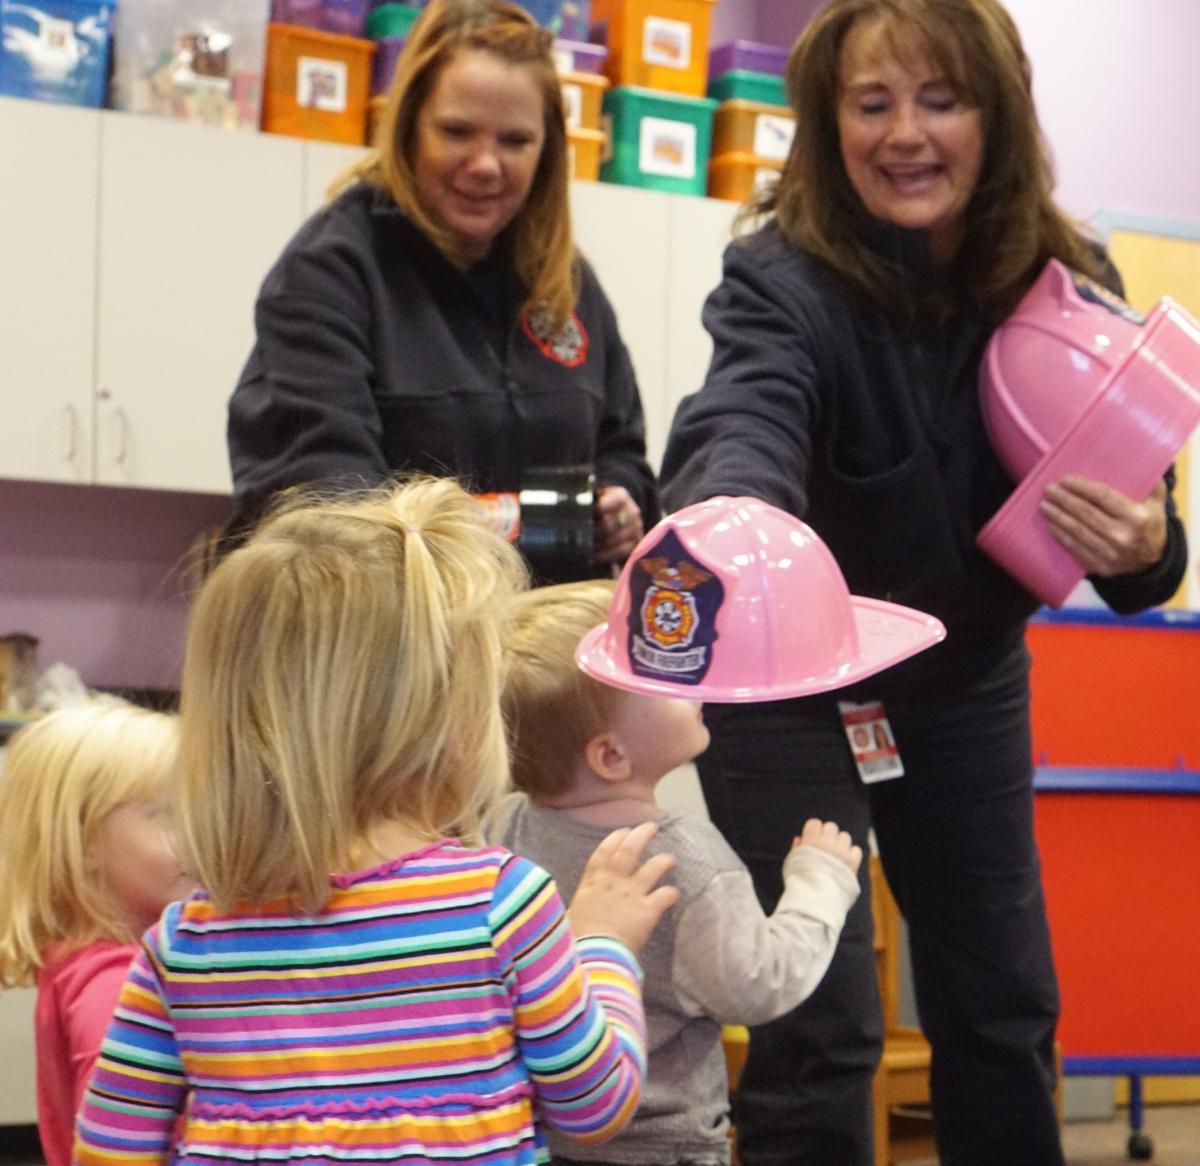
x=1174 y=1129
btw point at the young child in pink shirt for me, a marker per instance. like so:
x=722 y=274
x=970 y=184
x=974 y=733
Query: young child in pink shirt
x=87 y=864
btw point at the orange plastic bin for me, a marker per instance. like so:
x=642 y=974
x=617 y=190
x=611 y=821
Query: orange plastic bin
x=317 y=84
x=584 y=147
x=751 y=127
x=737 y=176
x=657 y=44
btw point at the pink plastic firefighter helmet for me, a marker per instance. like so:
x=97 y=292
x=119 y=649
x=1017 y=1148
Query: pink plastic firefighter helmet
x=1075 y=381
x=733 y=600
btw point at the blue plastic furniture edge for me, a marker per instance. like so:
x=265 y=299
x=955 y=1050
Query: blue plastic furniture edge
x=1101 y=779
x=1121 y=1066
x=1182 y=619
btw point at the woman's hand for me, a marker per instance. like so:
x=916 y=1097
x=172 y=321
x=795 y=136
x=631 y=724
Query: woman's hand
x=1107 y=531
x=616 y=896
x=618 y=525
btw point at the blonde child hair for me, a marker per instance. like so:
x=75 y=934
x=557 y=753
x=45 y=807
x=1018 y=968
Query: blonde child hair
x=63 y=775
x=343 y=670
x=552 y=707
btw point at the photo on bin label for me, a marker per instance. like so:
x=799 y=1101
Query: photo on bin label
x=321 y=84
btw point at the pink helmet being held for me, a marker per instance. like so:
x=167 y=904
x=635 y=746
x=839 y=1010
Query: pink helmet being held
x=1076 y=381
x=733 y=600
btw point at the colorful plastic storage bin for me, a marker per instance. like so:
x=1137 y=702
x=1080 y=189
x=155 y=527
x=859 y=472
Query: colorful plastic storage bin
x=656 y=44
x=567 y=18
x=55 y=50
x=750 y=127
x=383 y=67
x=739 y=176
x=741 y=84
x=196 y=60
x=660 y=141
x=748 y=56
x=575 y=56
x=346 y=17
x=584 y=150
x=317 y=84
x=391 y=20
x=583 y=95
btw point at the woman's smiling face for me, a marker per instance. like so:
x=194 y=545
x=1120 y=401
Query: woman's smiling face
x=911 y=145
x=479 y=139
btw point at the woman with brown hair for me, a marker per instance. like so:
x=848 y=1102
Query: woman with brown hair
x=435 y=316
x=913 y=213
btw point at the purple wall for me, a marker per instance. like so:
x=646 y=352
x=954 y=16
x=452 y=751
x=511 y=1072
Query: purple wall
x=99 y=576
x=775 y=22
x=1115 y=83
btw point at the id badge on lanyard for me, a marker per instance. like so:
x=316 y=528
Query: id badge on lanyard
x=871 y=741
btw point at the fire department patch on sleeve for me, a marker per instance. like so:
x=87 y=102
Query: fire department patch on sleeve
x=567 y=346
x=674 y=601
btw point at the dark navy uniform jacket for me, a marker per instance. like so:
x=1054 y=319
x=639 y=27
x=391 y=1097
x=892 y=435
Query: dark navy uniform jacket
x=374 y=354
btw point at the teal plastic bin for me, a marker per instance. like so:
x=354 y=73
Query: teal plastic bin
x=748 y=86
x=660 y=141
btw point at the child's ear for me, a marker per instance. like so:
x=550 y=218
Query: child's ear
x=606 y=758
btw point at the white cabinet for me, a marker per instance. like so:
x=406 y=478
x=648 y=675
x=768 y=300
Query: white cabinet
x=18 y=1101
x=701 y=228
x=624 y=234
x=47 y=290
x=131 y=252
x=190 y=219
x=658 y=256
x=323 y=162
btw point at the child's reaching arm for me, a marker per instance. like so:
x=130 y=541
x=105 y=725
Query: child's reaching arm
x=739 y=966
x=580 y=1024
x=137 y=1088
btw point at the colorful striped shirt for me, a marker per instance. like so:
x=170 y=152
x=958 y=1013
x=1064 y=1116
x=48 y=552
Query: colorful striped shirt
x=434 y=1011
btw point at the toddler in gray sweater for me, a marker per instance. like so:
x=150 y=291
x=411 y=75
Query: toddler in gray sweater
x=586 y=759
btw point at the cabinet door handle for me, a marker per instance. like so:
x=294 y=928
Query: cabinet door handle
x=122 y=423
x=70 y=433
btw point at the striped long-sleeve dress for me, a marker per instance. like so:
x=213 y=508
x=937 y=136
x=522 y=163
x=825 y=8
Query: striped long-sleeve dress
x=434 y=1012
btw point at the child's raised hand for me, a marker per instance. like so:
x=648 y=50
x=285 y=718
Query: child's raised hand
x=616 y=896
x=827 y=837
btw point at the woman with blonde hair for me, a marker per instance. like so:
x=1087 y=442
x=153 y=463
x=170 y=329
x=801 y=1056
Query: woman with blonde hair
x=913 y=212
x=87 y=863
x=435 y=316
x=360 y=980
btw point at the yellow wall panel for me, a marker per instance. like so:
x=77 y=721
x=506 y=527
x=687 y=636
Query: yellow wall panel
x=1155 y=265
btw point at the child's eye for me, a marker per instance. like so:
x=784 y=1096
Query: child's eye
x=516 y=141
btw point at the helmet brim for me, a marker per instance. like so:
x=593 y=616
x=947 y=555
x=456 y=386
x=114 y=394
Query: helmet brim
x=887 y=634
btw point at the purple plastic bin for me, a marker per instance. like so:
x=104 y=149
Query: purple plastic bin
x=383 y=67
x=304 y=13
x=346 y=17
x=576 y=56
x=745 y=54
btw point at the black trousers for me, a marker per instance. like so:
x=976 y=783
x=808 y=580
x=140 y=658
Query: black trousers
x=956 y=838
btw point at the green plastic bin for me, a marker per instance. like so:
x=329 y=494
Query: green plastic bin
x=391 y=20
x=748 y=86
x=658 y=140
